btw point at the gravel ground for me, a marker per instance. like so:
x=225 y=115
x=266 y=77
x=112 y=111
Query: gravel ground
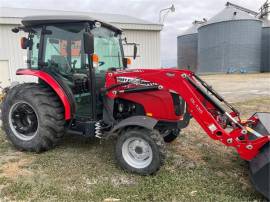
x=240 y=87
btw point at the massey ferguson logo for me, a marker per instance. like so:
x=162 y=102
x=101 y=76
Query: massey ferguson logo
x=135 y=81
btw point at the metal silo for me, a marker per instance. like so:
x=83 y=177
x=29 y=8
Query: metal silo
x=187 y=48
x=230 y=42
x=265 y=67
x=264 y=15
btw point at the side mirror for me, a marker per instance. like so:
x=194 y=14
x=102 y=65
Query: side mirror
x=25 y=43
x=88 y=42
x=15 y=30
x=135 y=51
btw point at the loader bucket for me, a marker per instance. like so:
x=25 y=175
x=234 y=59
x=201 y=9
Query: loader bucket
x=260 y=165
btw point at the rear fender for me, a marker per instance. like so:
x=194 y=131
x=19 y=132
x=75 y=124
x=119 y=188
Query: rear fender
x=141 y=121
x=53 y=84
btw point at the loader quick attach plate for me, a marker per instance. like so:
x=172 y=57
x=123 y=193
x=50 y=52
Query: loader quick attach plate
x=260 y=165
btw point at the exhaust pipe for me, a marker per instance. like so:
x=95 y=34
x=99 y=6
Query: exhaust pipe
x=260 y=165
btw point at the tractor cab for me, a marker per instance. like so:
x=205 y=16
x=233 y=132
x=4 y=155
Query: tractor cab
x=77 y=51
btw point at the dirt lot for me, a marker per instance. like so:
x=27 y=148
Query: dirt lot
x=197 y=168
x=240 y=87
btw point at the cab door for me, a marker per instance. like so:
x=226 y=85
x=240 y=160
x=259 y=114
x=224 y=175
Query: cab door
x=67 y=62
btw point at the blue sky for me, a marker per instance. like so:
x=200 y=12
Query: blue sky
x=186 y=12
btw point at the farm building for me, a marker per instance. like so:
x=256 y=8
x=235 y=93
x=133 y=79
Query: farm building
x=145 y=34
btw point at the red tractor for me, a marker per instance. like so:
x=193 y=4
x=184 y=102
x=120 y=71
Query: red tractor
x=84 y=87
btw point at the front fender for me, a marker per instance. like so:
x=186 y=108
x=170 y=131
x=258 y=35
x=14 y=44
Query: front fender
x=142 y=121
x=53 y=84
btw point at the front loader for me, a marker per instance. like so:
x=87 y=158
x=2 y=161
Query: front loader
x=85 y=87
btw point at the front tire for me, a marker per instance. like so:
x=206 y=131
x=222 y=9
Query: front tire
x=140 y=150
x=170 y=135
x=33 y=117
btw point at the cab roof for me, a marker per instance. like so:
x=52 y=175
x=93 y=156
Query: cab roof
x=31 y=21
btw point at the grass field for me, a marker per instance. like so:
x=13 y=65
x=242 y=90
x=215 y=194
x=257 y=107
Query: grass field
x=79 y=169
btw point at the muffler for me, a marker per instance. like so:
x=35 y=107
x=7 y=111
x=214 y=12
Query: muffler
x=260 y=165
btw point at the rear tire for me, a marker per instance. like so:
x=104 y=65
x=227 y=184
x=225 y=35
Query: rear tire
x=140 y=150
x=33 y=117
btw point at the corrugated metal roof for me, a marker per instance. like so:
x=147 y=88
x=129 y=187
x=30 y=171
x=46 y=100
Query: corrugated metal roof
x=19 y=13
x=230 y=13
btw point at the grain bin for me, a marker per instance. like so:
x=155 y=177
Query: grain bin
x=265 y=16
x=187 y=47
x=265 y=67
x=230 y=41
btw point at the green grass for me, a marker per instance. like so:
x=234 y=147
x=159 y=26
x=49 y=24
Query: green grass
x=80 y=169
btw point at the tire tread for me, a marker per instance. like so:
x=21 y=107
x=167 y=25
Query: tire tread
x=50 y=112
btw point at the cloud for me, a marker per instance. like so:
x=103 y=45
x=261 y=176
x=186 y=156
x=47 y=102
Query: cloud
x=186 y=12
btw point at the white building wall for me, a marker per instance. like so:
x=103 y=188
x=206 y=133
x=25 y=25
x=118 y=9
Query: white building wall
x=11 y=51
x=148 y=55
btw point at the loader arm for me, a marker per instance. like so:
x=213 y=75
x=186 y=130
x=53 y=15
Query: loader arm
x=204 y=104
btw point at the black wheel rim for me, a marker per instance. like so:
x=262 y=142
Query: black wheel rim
x=23 y=121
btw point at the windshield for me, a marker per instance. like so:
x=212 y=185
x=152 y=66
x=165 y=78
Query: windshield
x=107 y=47
x=63 y=48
